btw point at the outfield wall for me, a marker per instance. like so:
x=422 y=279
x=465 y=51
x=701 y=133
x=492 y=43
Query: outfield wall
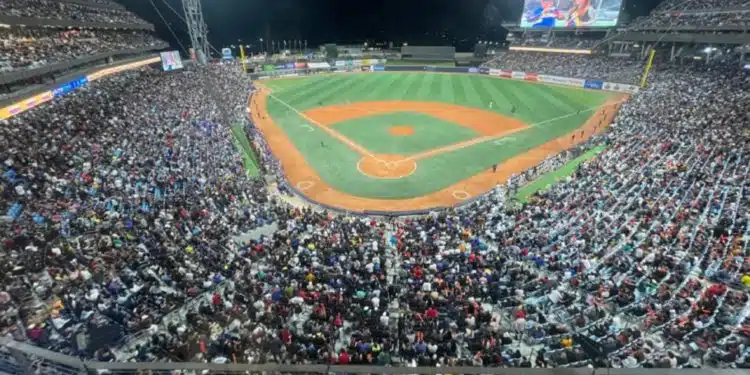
x=351 y=66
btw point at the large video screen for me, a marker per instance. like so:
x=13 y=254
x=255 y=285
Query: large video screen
x=570 y=13
x=171 y=60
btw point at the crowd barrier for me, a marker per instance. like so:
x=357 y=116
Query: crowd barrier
x=33 y=101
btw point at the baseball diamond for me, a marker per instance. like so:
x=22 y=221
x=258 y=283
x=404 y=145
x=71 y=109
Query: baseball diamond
x=412 y=141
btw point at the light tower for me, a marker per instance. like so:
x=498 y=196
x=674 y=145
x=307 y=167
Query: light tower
x=196 y=28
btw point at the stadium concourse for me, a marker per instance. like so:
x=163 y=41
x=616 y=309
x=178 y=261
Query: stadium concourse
x=123 y=200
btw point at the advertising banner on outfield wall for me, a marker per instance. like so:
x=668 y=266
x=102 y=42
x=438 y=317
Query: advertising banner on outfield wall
x=340 y=62
x=533 y=77
x=575 y=82
x=378 y=68
x=518 y=75
x=473 y=70
x=300 y=65
x=597 y=85
x=269 y=68
x=483 y=70
x=620 y=87
x=318 y=65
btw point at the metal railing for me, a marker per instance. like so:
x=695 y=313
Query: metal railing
x=17 y=358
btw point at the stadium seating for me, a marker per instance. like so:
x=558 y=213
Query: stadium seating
x=697 y=15
x=126 y=204
x=66 y=11
x=32 y=48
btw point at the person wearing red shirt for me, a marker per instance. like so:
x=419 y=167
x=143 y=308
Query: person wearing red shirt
x=286 y=336
x=343 y=358
x=431 y=313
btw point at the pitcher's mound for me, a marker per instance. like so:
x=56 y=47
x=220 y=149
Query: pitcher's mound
x=401 y=130
x=386 y=166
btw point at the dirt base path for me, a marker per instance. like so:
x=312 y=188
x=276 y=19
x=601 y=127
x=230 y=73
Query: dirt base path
x=485 y=123
x=301 y=175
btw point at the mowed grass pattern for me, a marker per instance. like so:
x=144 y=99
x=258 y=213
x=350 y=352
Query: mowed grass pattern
x=551 y=111
x=374 y=133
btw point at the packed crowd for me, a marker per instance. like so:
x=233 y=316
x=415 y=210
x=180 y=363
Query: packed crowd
x=66 y=11
x=571 y=65
x=124 y=198
x=555 y=41
x=737 y=20
x=31 y=48
x=678 y=5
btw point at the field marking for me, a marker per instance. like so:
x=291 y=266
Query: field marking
x=501 y=141
x=388 y=165
x=461 y=195
x=475 y=141
x=308 y=127
x=305 y=185
x=356 y=147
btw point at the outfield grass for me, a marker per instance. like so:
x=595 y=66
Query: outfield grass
x=549 y=111
x=549 y=179
x=420 y=63
x=243 y=146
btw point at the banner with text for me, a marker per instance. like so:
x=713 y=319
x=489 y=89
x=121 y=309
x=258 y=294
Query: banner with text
x=561 y=80
x=596 y=85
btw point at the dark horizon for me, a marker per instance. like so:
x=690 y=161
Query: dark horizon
x=442 y=22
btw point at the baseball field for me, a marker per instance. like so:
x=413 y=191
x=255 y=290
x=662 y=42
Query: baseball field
x=391 y=141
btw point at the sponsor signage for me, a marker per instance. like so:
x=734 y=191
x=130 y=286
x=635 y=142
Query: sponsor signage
x=561 y=80
x=318 y=65
x=340 y=62
x=619 y=87
x=483 y=70
x=517 y=75
x=226 y=54
x=288 y=66
x=597 y=85
x=70 y=86
x=473 y=70
x=300 y=65
x=531 y=77
x=269 y=68
x=378 y=68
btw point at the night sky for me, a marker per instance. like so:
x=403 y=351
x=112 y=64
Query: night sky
x=419 y=22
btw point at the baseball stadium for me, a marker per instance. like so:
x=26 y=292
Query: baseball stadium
x=415 y=141
x=496 y=187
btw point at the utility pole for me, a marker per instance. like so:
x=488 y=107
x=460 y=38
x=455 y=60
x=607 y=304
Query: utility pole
x=197 y=28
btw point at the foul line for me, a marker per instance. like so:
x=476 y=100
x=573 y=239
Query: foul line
x=330 y=131
x=472 y=142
